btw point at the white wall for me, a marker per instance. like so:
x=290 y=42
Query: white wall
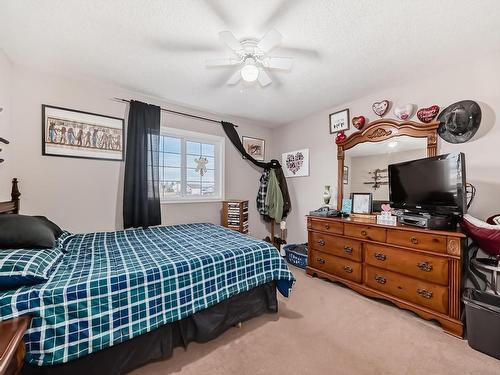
x=477 y=80
x=5 y=124
x=86 y=195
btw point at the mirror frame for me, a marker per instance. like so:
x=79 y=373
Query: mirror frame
x=378 y=131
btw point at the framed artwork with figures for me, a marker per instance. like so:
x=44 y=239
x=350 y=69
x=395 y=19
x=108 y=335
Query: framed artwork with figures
x=295 y=163
x=339 y=121
x=77 y=134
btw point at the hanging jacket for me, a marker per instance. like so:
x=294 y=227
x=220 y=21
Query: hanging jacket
x=261 y=195
x=274 y=198
x=287 y=204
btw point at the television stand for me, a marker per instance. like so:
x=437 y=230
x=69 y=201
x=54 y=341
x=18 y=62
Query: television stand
x=428 y=221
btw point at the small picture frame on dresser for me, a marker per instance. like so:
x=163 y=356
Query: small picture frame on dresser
x=362 y=203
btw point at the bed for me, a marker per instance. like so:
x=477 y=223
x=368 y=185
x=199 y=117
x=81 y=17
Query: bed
x=117 y=300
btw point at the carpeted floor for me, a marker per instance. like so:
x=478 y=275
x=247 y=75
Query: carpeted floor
x=325 y=328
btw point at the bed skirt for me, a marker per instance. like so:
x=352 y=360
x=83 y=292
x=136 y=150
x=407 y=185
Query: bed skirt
x=203 y=326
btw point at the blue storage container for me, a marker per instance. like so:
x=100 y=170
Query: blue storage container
x=296 y=254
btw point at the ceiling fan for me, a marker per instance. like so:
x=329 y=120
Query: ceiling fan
x=252 y=57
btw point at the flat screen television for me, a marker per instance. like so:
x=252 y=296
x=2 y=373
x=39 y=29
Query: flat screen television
x=434 y=185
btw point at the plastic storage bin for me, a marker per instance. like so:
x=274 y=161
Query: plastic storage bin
x=297 y=254
x=482 y=312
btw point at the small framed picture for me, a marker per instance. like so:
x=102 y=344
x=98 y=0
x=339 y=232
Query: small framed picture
x=339 y=121
x=346 y=175
x=346 y=206
x=361 y=203
x=255 y=147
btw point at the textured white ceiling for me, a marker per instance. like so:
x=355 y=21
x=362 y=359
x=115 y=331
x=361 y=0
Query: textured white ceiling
x=342 y=49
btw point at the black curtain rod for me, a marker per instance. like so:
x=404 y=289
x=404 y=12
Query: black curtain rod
x=175 y=112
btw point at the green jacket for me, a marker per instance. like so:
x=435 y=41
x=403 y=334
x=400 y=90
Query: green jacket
x=274 y=198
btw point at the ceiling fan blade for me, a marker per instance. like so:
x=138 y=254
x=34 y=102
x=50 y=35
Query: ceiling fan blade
x=306 y=52
x=284 y=63
x=264 y=78
x=235 y=78
x=217 y=9
x=230 y=40
x=222 y=62
x=269 y=41
x=183 y=46
x=280 y=11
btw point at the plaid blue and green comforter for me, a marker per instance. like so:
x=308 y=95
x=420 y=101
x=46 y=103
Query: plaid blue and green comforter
x=111 y=287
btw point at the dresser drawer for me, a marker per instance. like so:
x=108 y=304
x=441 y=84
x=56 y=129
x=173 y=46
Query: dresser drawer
x=328 y=226
x=365 y=232
x=412 y=290
x=338 y=246
x=422 y=266
x=417 y=240
x=337 y=266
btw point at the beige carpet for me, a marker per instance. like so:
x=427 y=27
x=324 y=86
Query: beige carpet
x=325 y=328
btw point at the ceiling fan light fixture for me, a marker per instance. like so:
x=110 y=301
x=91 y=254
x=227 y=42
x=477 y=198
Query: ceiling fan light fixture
x=250 y=72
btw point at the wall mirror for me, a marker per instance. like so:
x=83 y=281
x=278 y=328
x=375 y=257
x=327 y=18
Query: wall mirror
x=364 y=156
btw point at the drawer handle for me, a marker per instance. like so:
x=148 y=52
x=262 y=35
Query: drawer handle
x=424 y=266
x=364 y=232
x=424 y=293
x=380 y=279
x=327 y=226
x=321 y=243
x=348 y=249
x=348 y=269
x=414 y=240
x=320 y=260
x=380 y=256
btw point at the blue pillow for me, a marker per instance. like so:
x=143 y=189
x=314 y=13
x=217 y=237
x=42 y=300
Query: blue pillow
x=22 y=267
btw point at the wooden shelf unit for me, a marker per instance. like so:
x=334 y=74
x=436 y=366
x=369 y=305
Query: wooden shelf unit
x=235 y=215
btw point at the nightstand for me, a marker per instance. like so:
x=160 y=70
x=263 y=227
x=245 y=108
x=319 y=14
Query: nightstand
x=12 y=349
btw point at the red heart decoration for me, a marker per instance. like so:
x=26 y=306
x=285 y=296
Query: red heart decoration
x=380 y=108
x=426 y=115
x=359 y=122
x=340 y=137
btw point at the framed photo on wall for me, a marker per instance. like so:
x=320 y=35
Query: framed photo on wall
x=346 y=175
x=361 y=203
x=255 y=147
x=77 y=134
x=339 y=121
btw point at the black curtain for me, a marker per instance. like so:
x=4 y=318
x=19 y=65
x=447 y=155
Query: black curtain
x=141 y=196
x=233 y=136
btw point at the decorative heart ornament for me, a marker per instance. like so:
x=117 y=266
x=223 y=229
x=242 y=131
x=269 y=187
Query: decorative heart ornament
x=359 y=122
x=404 y=112
x=380 y=108
x=340 y=137
x=426 y=115
x=294 y=162
x=386 y=207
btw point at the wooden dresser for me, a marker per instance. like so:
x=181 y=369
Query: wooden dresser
x=416 y=269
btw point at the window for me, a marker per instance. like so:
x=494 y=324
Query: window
x=191 y=166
